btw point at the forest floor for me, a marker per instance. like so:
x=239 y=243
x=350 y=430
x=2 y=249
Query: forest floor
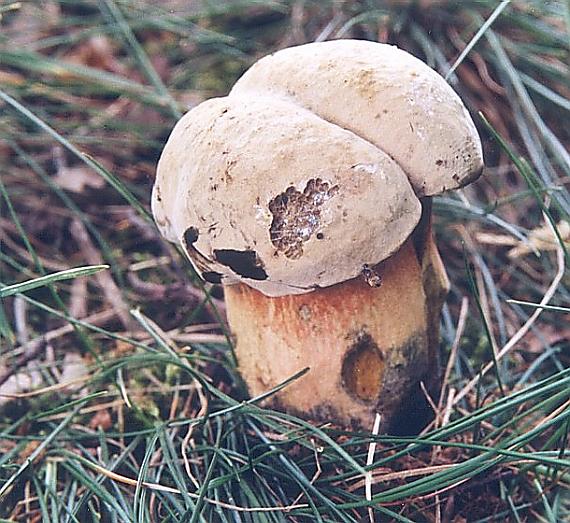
x=119 y=397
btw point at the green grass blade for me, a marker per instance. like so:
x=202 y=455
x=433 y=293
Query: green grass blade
x=39 y=449
x=68 y=274
x=141 y=56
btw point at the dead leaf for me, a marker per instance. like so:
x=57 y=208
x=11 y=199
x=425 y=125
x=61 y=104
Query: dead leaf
x=74 y=368
x=549 y=335
x=543 y=239
x=77 y=179
x=32 y=22
x=102 y=419
x=99 y=53
x=540 y=239
x=22 y=381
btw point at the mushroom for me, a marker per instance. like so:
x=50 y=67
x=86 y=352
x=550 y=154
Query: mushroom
x=307 y=193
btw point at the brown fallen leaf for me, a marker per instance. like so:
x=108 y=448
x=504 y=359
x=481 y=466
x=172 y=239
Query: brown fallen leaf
x=18 y=383
x=549 y=334
x=73 y=369
x=97 y=52
x=77 y=179
x=31 y=22
x=101 y=419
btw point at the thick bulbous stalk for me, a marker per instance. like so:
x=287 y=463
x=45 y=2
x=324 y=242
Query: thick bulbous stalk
x=367 y=347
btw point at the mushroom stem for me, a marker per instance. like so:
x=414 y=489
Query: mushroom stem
x=435 y=284
x=367 y=346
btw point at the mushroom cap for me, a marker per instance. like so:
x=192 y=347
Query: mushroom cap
x=310 y=170
x=263 y=191
x=384 y=95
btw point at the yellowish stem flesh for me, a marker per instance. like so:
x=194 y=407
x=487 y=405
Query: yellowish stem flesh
x=367 y=347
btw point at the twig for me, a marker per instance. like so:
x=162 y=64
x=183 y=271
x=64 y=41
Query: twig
x=20 y=319
x=45 y=390
x=78 y=299
x=428 y=398
x=174 y=291
x=98 y=318
x=26 y=357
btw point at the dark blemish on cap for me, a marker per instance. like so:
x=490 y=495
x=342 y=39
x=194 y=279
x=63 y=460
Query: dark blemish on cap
x=190 y=236
x=212 y=277
x=245 y=263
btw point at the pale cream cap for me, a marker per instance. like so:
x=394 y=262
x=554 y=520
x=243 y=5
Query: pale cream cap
x=311 y=170
x=263 y=191
x=384 y=95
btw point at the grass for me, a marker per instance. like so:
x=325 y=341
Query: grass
x=132 y=408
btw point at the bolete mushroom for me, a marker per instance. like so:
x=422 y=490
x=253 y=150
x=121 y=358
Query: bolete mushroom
x=306 y=193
